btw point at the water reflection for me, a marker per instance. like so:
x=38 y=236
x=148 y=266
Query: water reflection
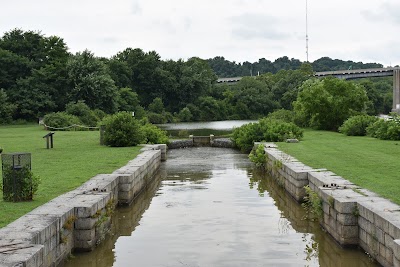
x=318 y=245
x=209 y=208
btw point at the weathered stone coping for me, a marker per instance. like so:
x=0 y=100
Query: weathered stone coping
x=352 y=215
x=79 y=219
x=202 y=141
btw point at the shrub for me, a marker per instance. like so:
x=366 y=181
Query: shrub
x=185 y=114
x=83 y=112
x=357 y=125
x=278 y=131
x=312 y=204
x=282 y=115
x=258 y=156
x=154 y=135
x=265 y=130
x=60 y=120
x=19 y=185
x=245 y=136
x=156 y=118
x=121 y=130
x=385 y=130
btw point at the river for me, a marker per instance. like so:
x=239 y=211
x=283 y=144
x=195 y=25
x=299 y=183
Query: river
x=209 y=207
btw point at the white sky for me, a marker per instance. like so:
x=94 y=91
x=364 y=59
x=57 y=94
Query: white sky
x=239 y=30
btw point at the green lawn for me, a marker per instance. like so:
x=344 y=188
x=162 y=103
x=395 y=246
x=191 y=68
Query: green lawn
x=75 y=158
x=368 y=162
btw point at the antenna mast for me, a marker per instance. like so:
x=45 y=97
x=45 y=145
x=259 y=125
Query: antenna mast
x=307 y=30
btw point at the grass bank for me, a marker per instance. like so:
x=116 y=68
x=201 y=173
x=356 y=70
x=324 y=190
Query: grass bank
x=368 y=162
x=75 y=158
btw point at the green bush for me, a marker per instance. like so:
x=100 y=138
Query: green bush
x=122 y=130
x=357 y=125
x=385 y=130
x=61 y=120
x=19 y=184
x=265 y=130
x=258 y=156
x=83 y=112
x=282 y=115
x=245 y=136
x=156 y=118
x=154 y=135
x=185 y=114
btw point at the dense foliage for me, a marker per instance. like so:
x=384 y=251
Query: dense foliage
x=264 y=130
x=154 y=135
x=39 y=76
x=226 y=68
x=19 y=184
x=325 y=104
x=121 y=130
x=357 y=125
x=61 y=121
x=385 y=129
x=258 y=156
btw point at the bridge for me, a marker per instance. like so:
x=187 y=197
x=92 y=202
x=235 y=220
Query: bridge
x=352 y=74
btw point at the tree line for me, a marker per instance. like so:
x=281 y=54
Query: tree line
x=38 y=76
x=225 y=68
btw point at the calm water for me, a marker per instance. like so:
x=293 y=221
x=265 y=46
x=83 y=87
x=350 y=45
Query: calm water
x=208 y=207
x=217 y=128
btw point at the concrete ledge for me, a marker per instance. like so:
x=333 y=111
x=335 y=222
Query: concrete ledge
x=79 y=219
x=353 y=216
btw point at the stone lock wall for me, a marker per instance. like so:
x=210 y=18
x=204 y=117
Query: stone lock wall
x=352 y=215
x=79 y=219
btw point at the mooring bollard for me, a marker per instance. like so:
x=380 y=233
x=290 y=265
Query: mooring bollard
x=49 y=139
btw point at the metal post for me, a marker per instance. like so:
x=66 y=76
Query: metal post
x=396 y=90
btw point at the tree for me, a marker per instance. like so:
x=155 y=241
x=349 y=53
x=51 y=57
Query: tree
x=326 y=104
x=32 y=98
x=12 y=68
x=91 y=82
x=185 y=114
x=251 y=99
x=157 y=106
x=7 y=109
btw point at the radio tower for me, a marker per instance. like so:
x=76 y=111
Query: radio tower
x=307 y=30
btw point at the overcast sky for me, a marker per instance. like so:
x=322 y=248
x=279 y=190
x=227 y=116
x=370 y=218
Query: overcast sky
x=239 y=30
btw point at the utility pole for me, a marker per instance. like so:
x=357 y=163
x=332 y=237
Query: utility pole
x=307 y=30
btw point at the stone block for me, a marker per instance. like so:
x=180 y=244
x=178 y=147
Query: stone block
x=28 y=256
x=84 y=235
x=394 y=229
x=396 y=248
x=87 y=205
x=84 y=245
x=363 y=223
x=365 y=212
x=85 y=223
x=386 y=253
x=396 y=262
x=125 y=187
x=389 y=242
x=348 y=231
x=362 y=234
x=347 y=219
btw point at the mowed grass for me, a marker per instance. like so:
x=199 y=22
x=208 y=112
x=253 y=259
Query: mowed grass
x=75 y=158
x=368 y=162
